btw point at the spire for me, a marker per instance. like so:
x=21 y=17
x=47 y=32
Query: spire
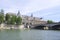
x=2 y=11
x=18 y=14
x=31 y=15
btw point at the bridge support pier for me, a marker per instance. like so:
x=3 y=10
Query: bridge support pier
x=28 y=26
x=46 y=28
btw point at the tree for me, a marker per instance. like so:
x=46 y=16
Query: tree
x=13 y=19
x=7 y=18
x=19 y=20
x=1 y=18
x=49 y=21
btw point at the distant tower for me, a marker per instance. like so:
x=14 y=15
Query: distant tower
x=2 y=11
x=18 y=14
x=31 y=15
x=41 y=18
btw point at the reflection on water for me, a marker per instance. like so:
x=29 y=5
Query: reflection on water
x=29 y=35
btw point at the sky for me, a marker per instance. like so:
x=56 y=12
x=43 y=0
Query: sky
x=48 y=9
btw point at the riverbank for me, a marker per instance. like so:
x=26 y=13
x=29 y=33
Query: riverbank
x=5 y=26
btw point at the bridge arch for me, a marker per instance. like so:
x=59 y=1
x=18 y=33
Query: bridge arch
x=56 y=27
x=39 y=27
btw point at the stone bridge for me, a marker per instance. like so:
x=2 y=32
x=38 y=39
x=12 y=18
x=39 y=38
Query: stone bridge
x=38 y=23
x=52 y=26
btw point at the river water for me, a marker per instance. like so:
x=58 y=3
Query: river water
x=29 y=35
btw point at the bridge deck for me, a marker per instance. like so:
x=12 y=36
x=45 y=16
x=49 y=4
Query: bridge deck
x=48 y=25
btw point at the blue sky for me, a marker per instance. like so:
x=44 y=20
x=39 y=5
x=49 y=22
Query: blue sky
x=48 y=9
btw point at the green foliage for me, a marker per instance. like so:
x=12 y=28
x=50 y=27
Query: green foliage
x=13 y=20
x=49 y=21
x=10 y=19
x=1 y=18
x=19 y=20
x=7 y=17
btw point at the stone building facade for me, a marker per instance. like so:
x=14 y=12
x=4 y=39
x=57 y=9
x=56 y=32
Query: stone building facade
x=28 y=20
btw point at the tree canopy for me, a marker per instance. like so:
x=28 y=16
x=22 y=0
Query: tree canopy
x=1 y=18
x=13 y=19
x=49 y=21
x=19 y=20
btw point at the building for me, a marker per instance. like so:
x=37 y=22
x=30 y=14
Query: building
x=29 y=20
x=32 y=20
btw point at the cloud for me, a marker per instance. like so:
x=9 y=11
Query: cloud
x=48 y=9
x=27 y=6
x=41 y=4
x=48 y=14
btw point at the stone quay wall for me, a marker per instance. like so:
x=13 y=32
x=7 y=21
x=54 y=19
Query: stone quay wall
x=5 y=26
